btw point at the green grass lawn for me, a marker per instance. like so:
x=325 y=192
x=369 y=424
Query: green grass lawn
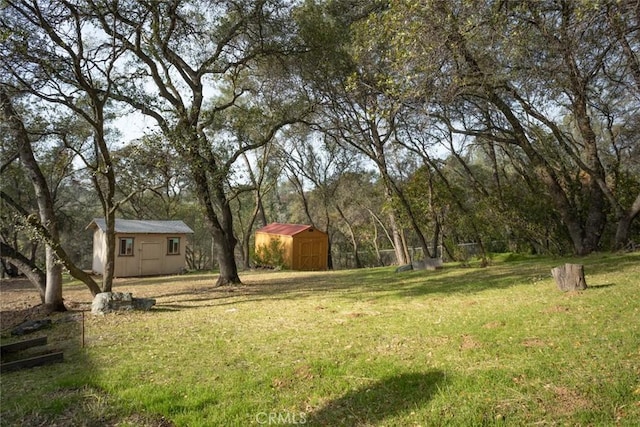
x=458 y=346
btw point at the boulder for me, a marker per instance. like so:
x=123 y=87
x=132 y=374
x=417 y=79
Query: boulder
x=143 y=303
x=31 y=326
x=107 y=302
x=406 y=267
x=428 y=264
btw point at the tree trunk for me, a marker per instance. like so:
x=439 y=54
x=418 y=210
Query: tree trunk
x=398 y=242
x=258 y=213
x=436 y=239
x=352 y=236
x=596 y=219
x=104 y=180
x=393 y=189
x=414 y=222
x=246 y=256
x=109 y=265
x=569 y=277
x=354 y=242
x=225 y=240
x=623 y=227
x=483 y=251
x=375 y=242
x=402 y=254
x=53 y=292
x=356 y=257
x=246 y=242
x=225 y=250
x=220 y=220
x=74 y=271
x=53 y=288
x=36 y=276
x=448 y=251
x=378 y=221
x=64 y=258
x=596 y=216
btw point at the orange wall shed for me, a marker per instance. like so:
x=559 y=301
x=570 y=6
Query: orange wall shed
x=303 y=246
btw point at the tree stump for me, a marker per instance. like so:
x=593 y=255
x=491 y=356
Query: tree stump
x=569 y=277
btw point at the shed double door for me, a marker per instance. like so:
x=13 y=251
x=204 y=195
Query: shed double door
x=310 y=251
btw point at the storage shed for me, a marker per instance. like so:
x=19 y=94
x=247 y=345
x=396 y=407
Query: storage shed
x=143 y=248
x=303 y=247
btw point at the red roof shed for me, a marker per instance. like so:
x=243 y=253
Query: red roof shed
x=300 y=247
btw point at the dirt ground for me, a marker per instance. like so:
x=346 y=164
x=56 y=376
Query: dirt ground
x=19 y=302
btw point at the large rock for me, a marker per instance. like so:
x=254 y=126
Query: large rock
x=31 y=326
x=106 y=302
x=406 y=267
x=428 y=264
x=143 y=303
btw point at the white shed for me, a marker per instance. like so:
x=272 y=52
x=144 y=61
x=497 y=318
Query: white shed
x=143 y=247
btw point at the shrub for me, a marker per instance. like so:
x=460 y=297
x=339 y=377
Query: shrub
x=271 y=255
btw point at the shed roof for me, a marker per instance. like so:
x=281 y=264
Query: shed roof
x=144 y=226
x=284 y=229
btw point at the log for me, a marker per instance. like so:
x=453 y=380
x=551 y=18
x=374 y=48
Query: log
x=22 y=345
x=569 y=277
x=44 y=359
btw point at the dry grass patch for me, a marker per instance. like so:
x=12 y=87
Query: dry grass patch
x=566 y=401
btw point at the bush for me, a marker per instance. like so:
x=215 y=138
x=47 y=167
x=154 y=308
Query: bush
x=271 y=255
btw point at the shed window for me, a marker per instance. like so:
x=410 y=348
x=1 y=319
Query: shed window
x=173 y=245
x=126 y=246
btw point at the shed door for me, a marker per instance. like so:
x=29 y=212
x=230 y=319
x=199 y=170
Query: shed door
x=150 y=259
x=310 y=254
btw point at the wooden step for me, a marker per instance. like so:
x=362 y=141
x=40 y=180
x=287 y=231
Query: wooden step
x=22 y=345
x=30 y=362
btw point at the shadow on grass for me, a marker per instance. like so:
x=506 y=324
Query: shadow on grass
x=380 y=282
x=51 y=394
x=602 y=286
x=355 y=284
x=385 y=282
x=62 y=394
x=606 y=263
x=374 y=403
